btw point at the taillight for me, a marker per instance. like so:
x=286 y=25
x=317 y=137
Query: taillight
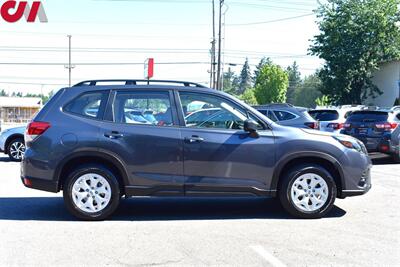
x=312 y=125
x=35 y=129
x=386 y=126
x=335 y=126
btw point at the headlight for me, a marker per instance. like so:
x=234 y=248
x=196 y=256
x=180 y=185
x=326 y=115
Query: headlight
x=351 y=143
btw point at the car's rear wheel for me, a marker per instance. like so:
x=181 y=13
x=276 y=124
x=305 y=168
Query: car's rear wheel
x=308 y=192
x=91 y=192
x=16 y=149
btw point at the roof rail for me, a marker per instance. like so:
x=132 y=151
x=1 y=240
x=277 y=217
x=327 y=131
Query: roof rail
x=276 y=105
x=135 y=82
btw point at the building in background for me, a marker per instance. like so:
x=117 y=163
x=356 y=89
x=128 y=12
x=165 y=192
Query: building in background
x=16 y=111
x=387 y=78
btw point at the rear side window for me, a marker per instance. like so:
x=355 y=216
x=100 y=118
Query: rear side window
x=145 y=108
x=398 y=116
x=89 y=105
x=366 y=116
x=284 y=115
x=324 y=115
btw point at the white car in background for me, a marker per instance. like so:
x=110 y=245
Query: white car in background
x=12 y=143
x=332 y=119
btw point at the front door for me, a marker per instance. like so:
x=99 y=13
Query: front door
x=219 y=156
x=145 y=135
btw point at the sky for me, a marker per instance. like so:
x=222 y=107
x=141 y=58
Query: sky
x=111 y=39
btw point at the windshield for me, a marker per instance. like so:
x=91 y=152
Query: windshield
x=368 y=116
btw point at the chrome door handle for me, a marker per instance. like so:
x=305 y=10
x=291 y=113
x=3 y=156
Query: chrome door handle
x=113 y=135
x=194 y=139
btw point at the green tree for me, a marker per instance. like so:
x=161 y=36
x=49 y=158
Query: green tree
x=264 y=61
x=244 y=78
x=249 y=97
x=323 y=101
x=307 y=92
x=294 y=81
x=3 y=93
x=231 y=82
x=356 y=35
x=271 y=85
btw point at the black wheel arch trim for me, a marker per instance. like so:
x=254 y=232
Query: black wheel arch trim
x=279 y=169
x=104 y=155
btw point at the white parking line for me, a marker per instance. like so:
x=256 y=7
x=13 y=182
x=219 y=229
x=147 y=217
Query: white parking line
x=271 y=259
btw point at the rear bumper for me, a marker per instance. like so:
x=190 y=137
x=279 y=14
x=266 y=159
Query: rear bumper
x=40 y=184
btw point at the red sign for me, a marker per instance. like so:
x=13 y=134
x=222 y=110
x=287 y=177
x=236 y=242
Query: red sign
x=13 y=11
x=149 y=68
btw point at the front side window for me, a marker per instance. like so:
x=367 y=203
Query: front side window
x=205 y=111
x=88 y=105
x=143 y=108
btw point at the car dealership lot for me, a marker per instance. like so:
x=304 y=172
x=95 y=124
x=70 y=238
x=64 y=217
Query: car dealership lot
x=36 y=229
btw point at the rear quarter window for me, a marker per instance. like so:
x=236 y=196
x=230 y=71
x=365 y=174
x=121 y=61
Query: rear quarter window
x=90 y=105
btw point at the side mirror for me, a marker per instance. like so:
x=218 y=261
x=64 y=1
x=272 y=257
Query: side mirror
x=250 y=126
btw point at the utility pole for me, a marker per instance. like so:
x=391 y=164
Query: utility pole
x=221 y=3
x=213 y=42
x=70 y=60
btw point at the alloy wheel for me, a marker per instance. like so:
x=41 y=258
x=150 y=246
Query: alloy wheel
x=309 y=192
x=91 y=193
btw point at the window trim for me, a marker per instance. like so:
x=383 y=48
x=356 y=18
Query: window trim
x=110 y=108
x=181 y=117
x=102 y=109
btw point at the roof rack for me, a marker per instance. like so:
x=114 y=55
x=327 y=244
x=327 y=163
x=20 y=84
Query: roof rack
x=135 y=82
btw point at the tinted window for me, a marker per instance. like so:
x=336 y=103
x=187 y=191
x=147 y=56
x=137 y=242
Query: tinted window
x=284 y=116
x=143 y=108
x=368 y=116
x=324 y=115
x=214 y=112
x=88 y=105
x=398 y=116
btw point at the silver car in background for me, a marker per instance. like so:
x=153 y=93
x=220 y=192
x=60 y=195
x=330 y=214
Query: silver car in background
x=12 y=143
x=332 y=119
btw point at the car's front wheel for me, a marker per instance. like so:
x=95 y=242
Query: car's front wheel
x=91 y=192
x=308 y=192
x=16 y=149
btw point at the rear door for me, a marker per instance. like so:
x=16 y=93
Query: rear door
x=219 y=156
x=143 y=132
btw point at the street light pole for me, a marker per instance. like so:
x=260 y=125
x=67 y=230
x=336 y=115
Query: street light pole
x=221 y=3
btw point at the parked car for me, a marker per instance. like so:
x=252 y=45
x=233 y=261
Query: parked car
x=288 y=115
x=234 y=152
x=396 y=143
x=374 y=128
x=332 y=119
x=12 y=143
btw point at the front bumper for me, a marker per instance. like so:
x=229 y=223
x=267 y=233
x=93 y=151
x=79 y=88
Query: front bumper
x=356 y=173
x=364 y=185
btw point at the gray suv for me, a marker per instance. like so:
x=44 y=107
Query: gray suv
x=99 y=141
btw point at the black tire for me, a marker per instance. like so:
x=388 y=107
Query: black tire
x=115 y=193
x=285 y=191
x=11 y=146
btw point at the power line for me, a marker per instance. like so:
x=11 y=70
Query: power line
x=270 y=21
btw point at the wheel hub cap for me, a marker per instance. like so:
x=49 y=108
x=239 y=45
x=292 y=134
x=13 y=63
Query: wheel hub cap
x=17 y=150
x=91 y=193
x=309 y=192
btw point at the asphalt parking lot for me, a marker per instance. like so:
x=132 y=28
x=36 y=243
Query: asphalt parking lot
x=35 y=229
